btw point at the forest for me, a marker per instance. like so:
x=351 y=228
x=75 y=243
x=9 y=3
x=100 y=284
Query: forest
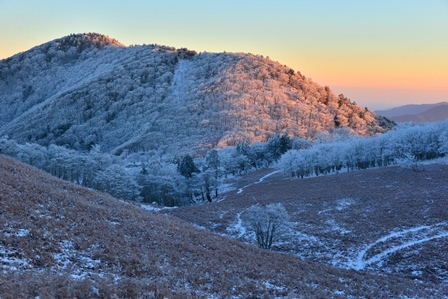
x=185 y=180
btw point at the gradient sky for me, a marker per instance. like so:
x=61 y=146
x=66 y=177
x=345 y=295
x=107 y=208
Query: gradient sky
x=381 y=53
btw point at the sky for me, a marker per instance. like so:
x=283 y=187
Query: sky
x=378 y=53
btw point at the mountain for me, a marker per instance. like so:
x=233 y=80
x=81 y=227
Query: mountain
x=438 y=113
x=59 y=240
x=88 y=89
x=417 y=113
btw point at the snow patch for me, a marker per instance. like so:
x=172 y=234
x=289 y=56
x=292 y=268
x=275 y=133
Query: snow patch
x=271 y=286
x=237 y=228
x=335 y=227
x=19 y=233
x=224 y=188
x=11 y=259
x=344 y=203
x=69 y=257
x=154 y=208
x=23 y=233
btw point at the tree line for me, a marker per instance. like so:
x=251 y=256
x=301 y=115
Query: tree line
x=407 y=144
x=184 y=180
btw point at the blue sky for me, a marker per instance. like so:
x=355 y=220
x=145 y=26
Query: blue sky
x=378 y=53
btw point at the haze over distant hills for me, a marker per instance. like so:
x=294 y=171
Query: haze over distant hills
x=417 y=113
x=88 y=89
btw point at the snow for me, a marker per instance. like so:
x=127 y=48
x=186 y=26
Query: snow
x=237 y=228
x=340 y=205
x=240 y=190
x=336 y=227
x=23 y=233
x=69 y=257
x=400 y=240
x=9 y=259
x=154 y=208
x=344 y=203
x=150 y=208
x=224 y=188
x=19 y=233
x=180 y=78
x=271 y=286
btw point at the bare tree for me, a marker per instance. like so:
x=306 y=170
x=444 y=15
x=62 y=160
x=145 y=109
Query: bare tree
x=270 y=223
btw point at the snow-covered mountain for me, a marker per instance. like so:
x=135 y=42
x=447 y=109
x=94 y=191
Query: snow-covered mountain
x=88 y=89
x=417 y=113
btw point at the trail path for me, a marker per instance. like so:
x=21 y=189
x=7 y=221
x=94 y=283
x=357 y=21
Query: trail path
x=240 y=190
x=396 y=241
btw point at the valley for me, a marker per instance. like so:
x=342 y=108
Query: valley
x=88 y=244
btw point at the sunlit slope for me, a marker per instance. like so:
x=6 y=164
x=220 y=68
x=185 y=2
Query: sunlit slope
x=88 y=89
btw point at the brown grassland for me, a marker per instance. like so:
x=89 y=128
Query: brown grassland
x=396 y=215
x=58 y=240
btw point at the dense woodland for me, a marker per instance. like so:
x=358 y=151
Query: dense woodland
x=184 y=180
x=166 y=125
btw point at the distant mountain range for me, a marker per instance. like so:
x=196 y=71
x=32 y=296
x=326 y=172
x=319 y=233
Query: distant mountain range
x=88 y=89
x=417 y=113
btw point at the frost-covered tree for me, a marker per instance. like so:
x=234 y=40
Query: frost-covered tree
x=115 y=181
x=407 y=144
x=161 y=183
x=270 y=224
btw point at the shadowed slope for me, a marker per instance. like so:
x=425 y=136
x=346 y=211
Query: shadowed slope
x=383 y=220
x=59 y=240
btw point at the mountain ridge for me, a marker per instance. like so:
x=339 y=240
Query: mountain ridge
x=88 y=89
x=434 y=114
x=411 y=109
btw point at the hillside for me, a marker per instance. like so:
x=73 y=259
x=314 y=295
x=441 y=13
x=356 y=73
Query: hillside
x=62 y=241
x=417 y=113
x=389 y=220
x=88 y=89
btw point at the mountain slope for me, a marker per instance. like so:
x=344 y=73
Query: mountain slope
x=88 y=89
x=60 y=240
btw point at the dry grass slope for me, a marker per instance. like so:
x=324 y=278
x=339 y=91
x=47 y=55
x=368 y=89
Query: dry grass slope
x=398 y=216
x=62 y=241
